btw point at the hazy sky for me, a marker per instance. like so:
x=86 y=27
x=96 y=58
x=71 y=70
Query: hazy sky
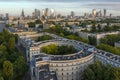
x=14 y=7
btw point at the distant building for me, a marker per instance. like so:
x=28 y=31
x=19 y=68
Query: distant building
x=43 y=12
x=46 y=12
x=94 y=12
x=7 y=16
x=22 y=14
x=37 y=13
x=105 y=11
x=117 y=44
x=72 y=14
x=52 y=13
x=33 y=15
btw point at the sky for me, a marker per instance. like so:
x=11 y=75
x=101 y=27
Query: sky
x=64 y=7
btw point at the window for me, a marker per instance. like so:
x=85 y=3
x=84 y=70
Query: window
x=67 y=73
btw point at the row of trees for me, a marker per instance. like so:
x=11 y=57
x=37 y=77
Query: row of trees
x=58 y=50
x=12 y=63
x=110 y=39
x=58 y=30
x=98 y=28
x=98 y=71
x=109 y=48
x=45 y=37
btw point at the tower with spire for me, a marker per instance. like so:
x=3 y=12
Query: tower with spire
x=22 y=14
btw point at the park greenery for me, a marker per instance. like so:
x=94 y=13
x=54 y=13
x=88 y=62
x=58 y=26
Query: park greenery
x=107 y=43
x=108 y=28
x=110 y=39
x=32 y=24
x=58 y=30
x=109 y=48
x=8 y=25
x=99 y=71
x=45 y=37
x=12 y=62
x=58 y=50
x=92 y=40
x=110 y=20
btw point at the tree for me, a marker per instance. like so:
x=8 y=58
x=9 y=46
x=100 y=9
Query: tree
x=116 y=73
x=20 y=67
x=109 y=48
x=58 y=50
x=1 y=77
x=8 y=69
x=45 y=37
x=99 y=71
x=31 y=24
x=11 y=43
x=2 y=49
x=8 y=25
x=38 y=21
x=110 y=39
x=93 y=28
x=92 y=40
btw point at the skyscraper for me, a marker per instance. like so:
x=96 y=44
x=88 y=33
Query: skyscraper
x=22 y=14
x=105 y=11
x=94 y=12
x=37 y=13
x=72 y=14
x=52 y=13
x=46 y=12
x=43 y=12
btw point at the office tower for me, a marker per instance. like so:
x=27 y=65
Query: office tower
x=43 y=12
x=7 y=16
x=52 y=13
x=22 y=14
x=100 y=13
x=37 y=13
x=46 y=12
x=86 y=15
x=72 y=14
x=94 y=12
x=105 y=11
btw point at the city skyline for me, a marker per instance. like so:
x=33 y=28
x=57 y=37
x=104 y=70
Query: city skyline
x=62 y=7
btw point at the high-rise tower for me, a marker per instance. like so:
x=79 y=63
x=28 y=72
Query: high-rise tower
x=105 y=11
x=46 y=12
x=94 y=12
x=52 y=13
x=72 y=14
x=22 y=14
